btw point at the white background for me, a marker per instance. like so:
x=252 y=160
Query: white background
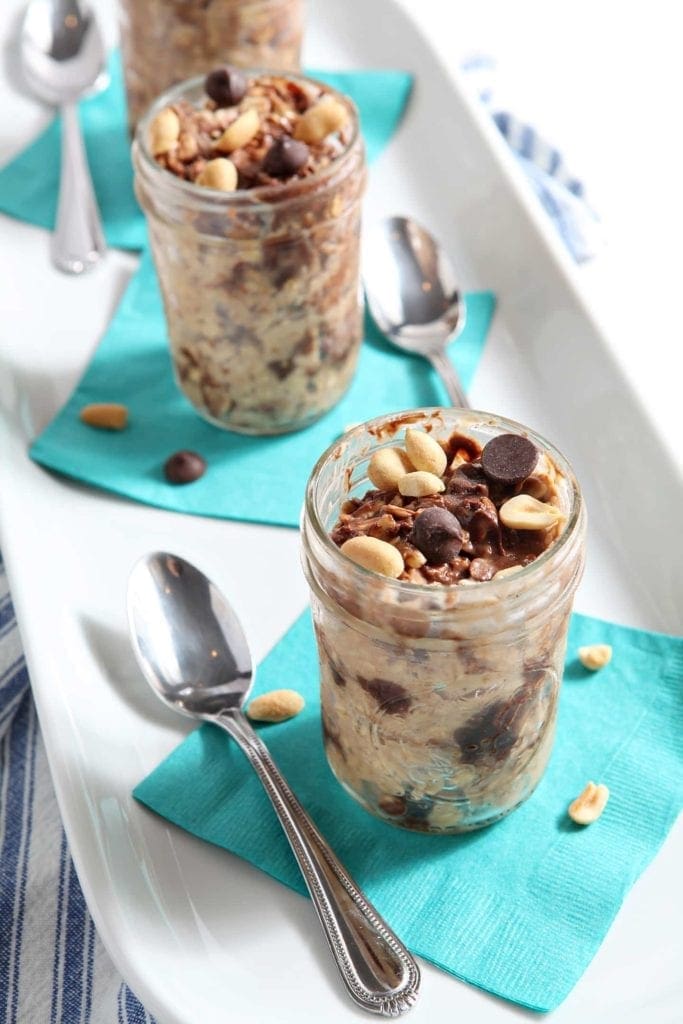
x=604 y=83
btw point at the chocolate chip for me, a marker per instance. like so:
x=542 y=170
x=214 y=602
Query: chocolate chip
x=285 y=157
x=184 y=467
x=392 y=698
x=468 y=479
x=438 y=535
x=477 y=514
x=509 y=458
x=418 y=810
x=394 y=806
x=225 y=86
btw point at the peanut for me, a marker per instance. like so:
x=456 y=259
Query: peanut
x=425 y=453
x=326 y=116
x=541 y=483
x=420 y=484
x=220 y=174
x=164 y=131
x=588 y=807
x=387 y=466
x=375 y=555
x=240 y=132
x=188 y=147
x=276 y=706
x=105 y=415
x=510 y=570
x=526 y=513
x=415 y=559
x=595 y=656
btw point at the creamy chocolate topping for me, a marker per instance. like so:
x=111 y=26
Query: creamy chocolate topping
x=458 y=534
x=292 y=129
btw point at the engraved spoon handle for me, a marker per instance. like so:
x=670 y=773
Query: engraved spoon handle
x=449 y=377
x=379 y=973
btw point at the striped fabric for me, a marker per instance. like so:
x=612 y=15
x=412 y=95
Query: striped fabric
x=561 y=194
x=53 y=968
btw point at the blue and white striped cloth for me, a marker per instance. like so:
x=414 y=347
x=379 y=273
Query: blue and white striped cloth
x=561 y=194
x=53 y=968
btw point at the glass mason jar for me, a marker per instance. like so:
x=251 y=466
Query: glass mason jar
x=261 y=286
x=438 y=702
x=169 y=41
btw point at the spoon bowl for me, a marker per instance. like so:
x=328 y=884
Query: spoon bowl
x=413 y=294
x=62 y=51
x=188 y=640
x=195 y=656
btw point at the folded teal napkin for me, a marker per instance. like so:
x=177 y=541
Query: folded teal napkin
x=519 y=908
x=259 y=480
x=29 y=183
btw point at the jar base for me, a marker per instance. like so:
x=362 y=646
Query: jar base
x=246 y=431
x=408 y=822
x=451 y=830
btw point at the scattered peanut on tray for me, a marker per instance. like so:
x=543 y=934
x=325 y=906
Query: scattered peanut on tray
x=589 y=805
x=105 y=415
x=595 y=656
x=276 y=706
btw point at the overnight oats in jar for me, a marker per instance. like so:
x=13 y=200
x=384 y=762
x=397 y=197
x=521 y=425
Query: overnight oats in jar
x=252 y=186
x=443 y=549
x=169 y=41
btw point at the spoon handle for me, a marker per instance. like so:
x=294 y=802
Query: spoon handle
x=444 y=367
x=379 y=973
x=78 y=242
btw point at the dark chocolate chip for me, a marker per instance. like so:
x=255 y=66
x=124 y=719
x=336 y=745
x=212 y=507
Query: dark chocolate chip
x=438 y=535
x=491 y=732
x=281 y=368
x=468 y=479
x=509 y=458
x=477 y=514
x=285 y=157
x=418 y=810
x=184 y=467
x=394 y=806
x=225 y=86
x=392 y=698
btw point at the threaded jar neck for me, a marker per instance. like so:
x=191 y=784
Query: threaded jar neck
x=497 y=608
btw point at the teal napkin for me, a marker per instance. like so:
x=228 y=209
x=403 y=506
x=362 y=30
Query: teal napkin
x=259 y=480
x=29 y=183
x=518 y=909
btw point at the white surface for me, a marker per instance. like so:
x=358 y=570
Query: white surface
x=603 y=82
x=199 y=935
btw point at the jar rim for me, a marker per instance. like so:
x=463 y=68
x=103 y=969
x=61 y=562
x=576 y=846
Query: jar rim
x=487 y=588
x=263 y=196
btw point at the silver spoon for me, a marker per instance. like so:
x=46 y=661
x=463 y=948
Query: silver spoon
x=413 y=295
x=62 y=59
x=193 y=653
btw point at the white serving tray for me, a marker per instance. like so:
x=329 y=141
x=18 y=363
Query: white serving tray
x=199 y=935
